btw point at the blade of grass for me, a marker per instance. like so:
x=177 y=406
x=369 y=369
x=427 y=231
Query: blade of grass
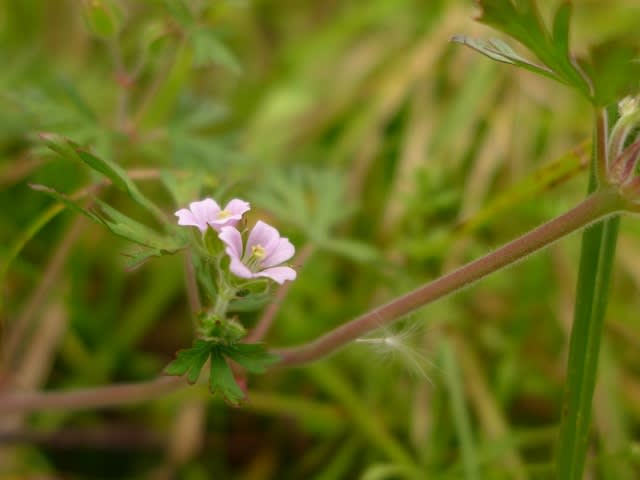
x=610 y=419
x=596 y=263
x=460 y=411
x=363 y=419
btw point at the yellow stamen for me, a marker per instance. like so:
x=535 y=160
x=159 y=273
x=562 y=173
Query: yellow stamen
x=222 y=214
x=257 y=251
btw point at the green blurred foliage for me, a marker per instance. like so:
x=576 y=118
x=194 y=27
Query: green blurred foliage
x=358 y=129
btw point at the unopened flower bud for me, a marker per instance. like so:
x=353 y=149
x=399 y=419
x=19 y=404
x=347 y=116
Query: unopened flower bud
x=628 y=106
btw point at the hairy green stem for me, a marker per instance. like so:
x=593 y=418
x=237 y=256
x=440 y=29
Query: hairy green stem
x=593 y=208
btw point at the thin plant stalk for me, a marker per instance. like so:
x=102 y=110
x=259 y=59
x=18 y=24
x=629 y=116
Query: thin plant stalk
x=595 y=207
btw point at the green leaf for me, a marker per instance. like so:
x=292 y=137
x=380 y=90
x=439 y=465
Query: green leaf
x=190 y=361
x=140 y=256
x=208 y=49
x=561 y=28
x=357 y=251
x=71 y=150
x=521 y=20
x=614 y=68
x=124 y=226
x=250 y=303
x=180 y=11
x=221 y=379
x=68 y=202
x=311 y=199
x=252 y=356
x=499 y=51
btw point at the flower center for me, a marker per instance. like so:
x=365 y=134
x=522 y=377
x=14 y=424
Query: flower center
x=254 y=258
x=222 y=214
x=257 y=251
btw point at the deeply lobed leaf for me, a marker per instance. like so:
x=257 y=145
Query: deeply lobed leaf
x=253 y=357
x=608 y=75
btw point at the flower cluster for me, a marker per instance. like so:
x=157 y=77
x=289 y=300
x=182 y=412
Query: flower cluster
x=264 y=251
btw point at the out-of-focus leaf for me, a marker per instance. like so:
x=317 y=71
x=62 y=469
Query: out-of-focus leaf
x=252 y=356
x=250 y=303
x=140 y=256
x=221 y=379
x=195 y=113
x=202 y=152
x=77 y=100
x=154 y=37
x=160 y=108
x=184 y=186
x=312 y=200
x=358 y=251
x=69 y=203
x=180 y=11
x=208 y=49
x=71 y=150
x=614 y=68
x=190 y=361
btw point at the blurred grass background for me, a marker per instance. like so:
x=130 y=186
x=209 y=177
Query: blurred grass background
x=357 y=119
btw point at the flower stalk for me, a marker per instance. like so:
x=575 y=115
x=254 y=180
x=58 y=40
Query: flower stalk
x=597 y=206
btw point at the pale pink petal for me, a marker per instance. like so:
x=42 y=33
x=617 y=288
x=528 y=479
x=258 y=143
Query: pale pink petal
x=234 y=211
x=263 y=235
x=278 y=274
x=237 y=207
x=205 y=210
x=282 y=252
x=277 y=250
x=233 y=240
x=238 y=268
x=187 y=218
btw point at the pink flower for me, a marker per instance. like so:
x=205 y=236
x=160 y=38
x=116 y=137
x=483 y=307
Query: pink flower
x=208 y=213
x=265 y=249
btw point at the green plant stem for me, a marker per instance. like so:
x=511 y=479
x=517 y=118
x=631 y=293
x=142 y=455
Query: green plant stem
x=593 y=208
